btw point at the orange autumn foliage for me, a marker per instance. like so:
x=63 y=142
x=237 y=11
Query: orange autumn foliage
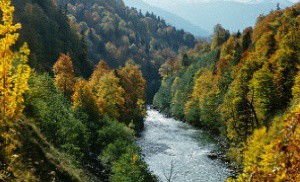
x=274 y=154
x=65 y=78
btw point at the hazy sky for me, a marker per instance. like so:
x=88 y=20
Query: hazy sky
x=233 y=21
x=153 y=2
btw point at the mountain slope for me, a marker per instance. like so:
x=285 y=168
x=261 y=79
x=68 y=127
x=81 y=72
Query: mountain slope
x=116 y=33
x=171 y=18
x=48 y=33
x=245 y=88
x=94 y=30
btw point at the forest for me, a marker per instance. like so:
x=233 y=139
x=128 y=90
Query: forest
x=96 y=30
x=61 y=118
x=76 y=77
x=244 y=88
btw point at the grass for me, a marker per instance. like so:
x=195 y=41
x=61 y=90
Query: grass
x=40 y=161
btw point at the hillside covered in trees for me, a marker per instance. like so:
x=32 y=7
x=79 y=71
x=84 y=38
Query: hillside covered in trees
x=115 y=33
x=67 y=128
x=95 y=30
x=64 y=119
x=244 y=87
x=48 y=33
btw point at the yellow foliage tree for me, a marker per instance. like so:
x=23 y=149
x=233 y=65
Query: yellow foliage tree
x=110 y=95
x=134 y=85
x=65 y=78
x=274 y=155
x=203 y=84
x=14 y=72
x=84 y=98
x=101 y=69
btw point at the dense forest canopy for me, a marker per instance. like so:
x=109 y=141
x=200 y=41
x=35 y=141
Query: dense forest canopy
x=95 y=30
x=115 y=33
x=80 y=125
x=244 y=88
x=48 y=33
x=64 y=119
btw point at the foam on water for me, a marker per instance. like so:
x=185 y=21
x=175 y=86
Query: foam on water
x=166 y=141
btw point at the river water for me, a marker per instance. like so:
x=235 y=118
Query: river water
x=170 y=146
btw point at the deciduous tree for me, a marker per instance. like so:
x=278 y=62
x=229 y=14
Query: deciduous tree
x=65 y=78
x=101 y=69
x=14 y=72
x=134 y=86
x=110 y=95
x=84 y=100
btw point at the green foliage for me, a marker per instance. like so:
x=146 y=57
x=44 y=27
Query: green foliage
x=81 y=128
x=113 y=130
x=116 y=33
x=48 y=33
x=163 y=97
x=55 y=116
x=130 y=168
x=113 y=151
x=264 y=95
x=238 y=89
x=172 y=96
x=219 y=37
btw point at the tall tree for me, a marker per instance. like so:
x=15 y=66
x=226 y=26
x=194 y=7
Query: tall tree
x=65 y=78
x=134 y=85
x=110 y=95
x=263 y=93
x=101 y=69
x=219 y=37
x=14 y=72
x=84 y=99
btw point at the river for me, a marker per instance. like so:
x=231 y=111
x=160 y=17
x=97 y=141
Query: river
x=170 y=146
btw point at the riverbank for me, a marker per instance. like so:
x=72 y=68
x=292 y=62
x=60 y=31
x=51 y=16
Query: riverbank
x=221 y=143
x=171 y=145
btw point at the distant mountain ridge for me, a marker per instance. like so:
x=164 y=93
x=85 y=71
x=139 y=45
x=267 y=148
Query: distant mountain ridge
x=172 y=19
x=232 y=14
x=160 y=2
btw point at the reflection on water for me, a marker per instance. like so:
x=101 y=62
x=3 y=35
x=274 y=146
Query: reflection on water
x=167 y=142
